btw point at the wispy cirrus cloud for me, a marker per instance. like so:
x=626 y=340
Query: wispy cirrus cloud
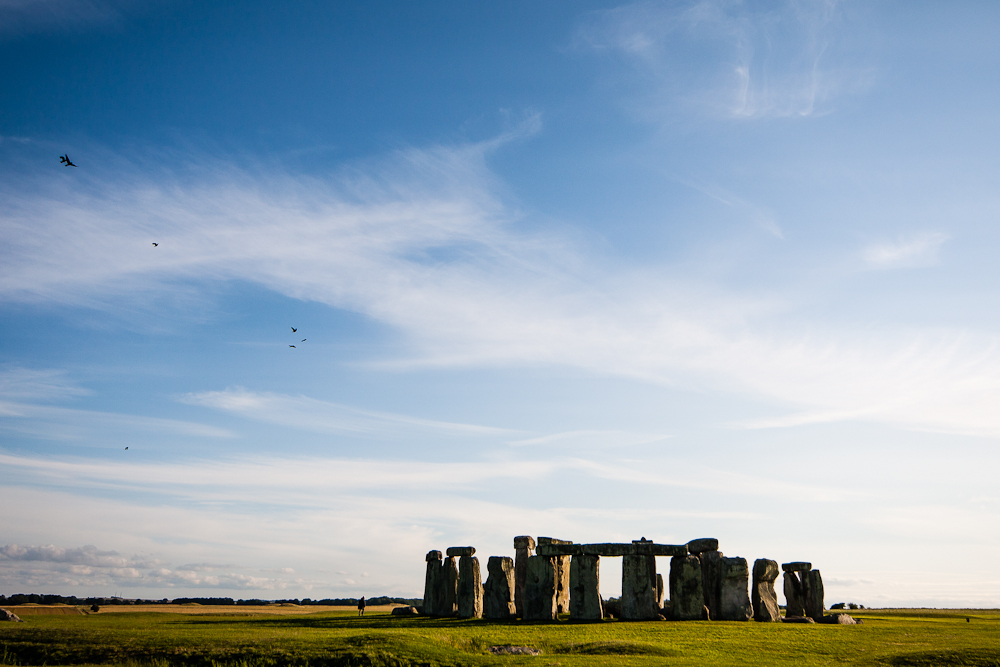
x=425 y=243
x=736 y=59
x=918 y=250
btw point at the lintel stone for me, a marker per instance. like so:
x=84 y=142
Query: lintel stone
x=461 y=551
x=797 y=566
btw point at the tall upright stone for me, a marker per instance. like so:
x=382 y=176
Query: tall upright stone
x=796 y=587
x=793 y=595
x=734 y=597
x=659 y=590
x=585 y=588
x=433 y=559
x=540 y=590
x=687 y=600
x=562 y=566
x=449 y=588
x=523 y=547
x=498 y=593
x=711 y=562
x=470 y=588
x=639 y=588
x=813 y=601
x=762 y=595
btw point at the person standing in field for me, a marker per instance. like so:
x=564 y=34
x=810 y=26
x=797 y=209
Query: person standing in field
x=361 y=606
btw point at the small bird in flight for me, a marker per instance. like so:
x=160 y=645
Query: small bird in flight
x=291 y=346
x=64 y=159
x=303 y=340
x=294 y=329
x=155 y=244
x=126 y=448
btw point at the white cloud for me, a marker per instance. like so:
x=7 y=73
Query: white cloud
x=309 y=414
x=737 y=60
x=919 y=250
x=38 y=384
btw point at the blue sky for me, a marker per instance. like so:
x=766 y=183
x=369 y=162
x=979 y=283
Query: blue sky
x=589 y=270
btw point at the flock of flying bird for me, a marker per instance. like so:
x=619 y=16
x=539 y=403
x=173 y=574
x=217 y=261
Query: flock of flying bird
x=66 y=162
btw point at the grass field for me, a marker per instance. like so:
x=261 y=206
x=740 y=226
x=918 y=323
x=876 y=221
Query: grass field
x=268 y=636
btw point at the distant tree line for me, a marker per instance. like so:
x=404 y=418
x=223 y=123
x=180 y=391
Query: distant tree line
x=35 y=598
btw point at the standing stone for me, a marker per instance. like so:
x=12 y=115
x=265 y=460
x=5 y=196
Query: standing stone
x=449 y=588
x=540 y=590
x=498 y=594
x=561 y=565
x=813 y=600
x=470 y=588
x=639 y=588
x=710 y=581
x=523 y=546
x=433 y=559
x=585 y=589
x=687 y=601
x=734 y=599
x=762 y=595
x=793 y=595
x=659 y=591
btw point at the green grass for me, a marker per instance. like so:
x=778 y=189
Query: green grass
x=888 y=637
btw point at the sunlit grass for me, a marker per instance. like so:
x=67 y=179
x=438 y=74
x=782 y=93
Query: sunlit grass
x=147 y=639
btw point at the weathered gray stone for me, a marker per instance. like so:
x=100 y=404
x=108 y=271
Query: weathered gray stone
x=524 y=542
x=797 y=619
x=659 y=591
x=812 y=604
x=550 y=550
x=461 y=551
x=404 y=611
x=552 y=540
x=431 y=582
x=523 y=546
x=433 y=555
x=540 y=590
x=498 y=594
x=470 y=588
x=703 y=544
x=639 y=588
x=710 y=581
x=793 y=595
x=7 y=615
x=562 y=567
x=734 y=596
x=612 y=549
x=762 y=595
x=585 y=588
x=839 y=619
x=686 y=597
x=449 y=588
x=797 y=566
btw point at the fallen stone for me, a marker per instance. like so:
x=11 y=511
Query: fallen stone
x=470 y=588
x=514 y=650
x=405 y=611
x=793 y=595
x=540 y=590
x=585 y=588
x=639 y=588
x=686 y=597
x=461 y=551
x=703 y=544
x=813 y=602
x=498 y=593
x=839 y=619
x=6 y=615
x=734 y=598
x=762 y=595
x=797 y=566
x=797 y=619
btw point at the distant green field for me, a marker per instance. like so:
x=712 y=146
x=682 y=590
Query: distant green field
x=887 y=637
